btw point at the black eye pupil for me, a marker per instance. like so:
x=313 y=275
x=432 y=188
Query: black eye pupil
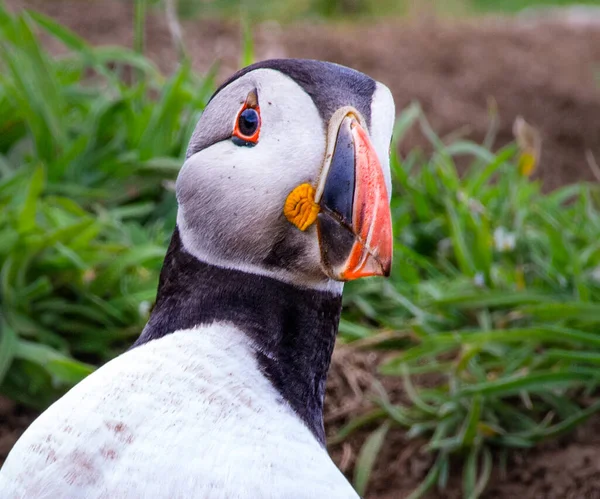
x=248 y=122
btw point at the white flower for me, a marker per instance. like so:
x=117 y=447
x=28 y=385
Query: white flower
x=144 y=308
x=479 y=280
x=445 y=247
x=473 y=204
x=169 y=185
x=504 y=241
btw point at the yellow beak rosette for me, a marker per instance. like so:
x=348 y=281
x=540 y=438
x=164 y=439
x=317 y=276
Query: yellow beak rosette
x=300 y=208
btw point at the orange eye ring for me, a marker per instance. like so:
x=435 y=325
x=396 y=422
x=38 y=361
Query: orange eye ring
x=247 y=122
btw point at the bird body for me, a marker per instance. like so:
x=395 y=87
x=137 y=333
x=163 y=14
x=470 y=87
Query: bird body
x=215 y=427
x=283 y=196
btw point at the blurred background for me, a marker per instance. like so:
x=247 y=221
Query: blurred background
x=458 y=58
x=292 y=10
x=473 y=371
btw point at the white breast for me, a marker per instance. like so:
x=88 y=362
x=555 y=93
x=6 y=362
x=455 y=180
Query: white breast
x=186 y=416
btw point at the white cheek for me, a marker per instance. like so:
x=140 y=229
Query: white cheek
x=292 y=140
x=290 y=149
x=231 y=197
x=383 y=114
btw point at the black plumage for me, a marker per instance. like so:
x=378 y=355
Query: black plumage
x=293 y=328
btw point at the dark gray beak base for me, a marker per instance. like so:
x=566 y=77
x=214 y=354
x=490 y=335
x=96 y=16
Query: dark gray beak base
x=354 y=224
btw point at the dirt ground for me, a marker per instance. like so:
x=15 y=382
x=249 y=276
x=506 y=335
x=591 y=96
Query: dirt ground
x=544 y=71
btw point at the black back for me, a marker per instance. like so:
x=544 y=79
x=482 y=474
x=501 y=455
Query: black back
x=293 y=328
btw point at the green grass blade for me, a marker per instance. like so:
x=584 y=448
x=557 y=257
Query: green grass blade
x=582 y=312
x=60 y=366
x=66 y=36
x=29 y=210
x=469 y=431
x=355 y=424
x=532 y=382
x=247 y=42
x=431 y=478
x=8 y=347
x=367 y=456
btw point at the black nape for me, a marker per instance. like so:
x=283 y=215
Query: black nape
x=294 y=328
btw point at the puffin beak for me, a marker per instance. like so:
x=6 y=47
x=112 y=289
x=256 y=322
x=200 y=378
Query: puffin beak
x=354 y=223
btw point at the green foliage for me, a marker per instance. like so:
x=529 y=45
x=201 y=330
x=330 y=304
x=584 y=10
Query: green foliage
x=493 y=306
x=85 y=151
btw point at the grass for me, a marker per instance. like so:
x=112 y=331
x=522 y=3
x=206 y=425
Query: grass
x=494 y=295
x=494 y=292
x=85 y=150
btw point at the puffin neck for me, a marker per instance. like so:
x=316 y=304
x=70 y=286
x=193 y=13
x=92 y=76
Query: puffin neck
x=291 y=329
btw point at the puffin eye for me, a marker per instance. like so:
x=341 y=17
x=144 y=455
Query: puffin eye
x=247 y=123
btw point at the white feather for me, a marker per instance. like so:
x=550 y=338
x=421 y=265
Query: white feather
x=383 y=114
x=186 y=416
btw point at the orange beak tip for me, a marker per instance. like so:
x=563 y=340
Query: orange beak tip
x=359 y=232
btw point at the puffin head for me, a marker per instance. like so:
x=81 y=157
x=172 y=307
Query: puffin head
x=287 y=175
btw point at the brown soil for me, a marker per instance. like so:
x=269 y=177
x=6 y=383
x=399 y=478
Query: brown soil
x=541 y=71
x=13 y=421
x=545 y=74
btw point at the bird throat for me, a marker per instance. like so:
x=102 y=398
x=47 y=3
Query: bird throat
x=292 y=329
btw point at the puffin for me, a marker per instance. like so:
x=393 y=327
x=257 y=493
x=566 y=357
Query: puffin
x=284 y=195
